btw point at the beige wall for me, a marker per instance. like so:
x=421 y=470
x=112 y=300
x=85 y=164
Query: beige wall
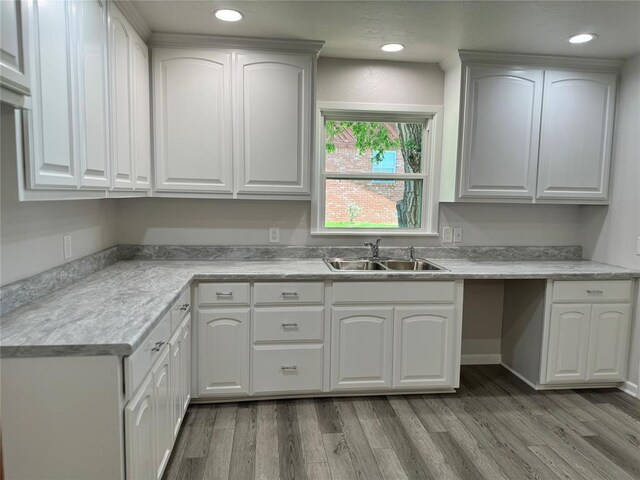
x=610 y=234
x=31 y=232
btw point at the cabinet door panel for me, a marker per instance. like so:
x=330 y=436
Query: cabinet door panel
x=608 y=342
x=14 y=46
x=139 y=417
x=423 y=337
x=575 y=143
x=93 y=106
x=223 y=352
x=273 y=115
x=361 y=347
x=54 y=159
x=121 y=146
x=161 y=375
x=186 y=364
x=568 y=343
x=141 y=115
x=177 y=372
x=500 y=132
x=192 y=120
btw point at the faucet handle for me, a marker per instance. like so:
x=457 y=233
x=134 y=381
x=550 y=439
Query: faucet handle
x=412 y=253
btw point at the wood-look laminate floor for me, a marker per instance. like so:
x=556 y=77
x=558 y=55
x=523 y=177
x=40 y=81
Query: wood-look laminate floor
x=495 y=427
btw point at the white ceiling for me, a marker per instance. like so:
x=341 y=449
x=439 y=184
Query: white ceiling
x=431 y=30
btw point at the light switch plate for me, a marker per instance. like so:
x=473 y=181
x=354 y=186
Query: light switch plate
x=67 y=247
x=457 y=234
x=447 y=235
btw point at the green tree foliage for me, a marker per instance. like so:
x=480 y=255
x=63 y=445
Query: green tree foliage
x=371 y=136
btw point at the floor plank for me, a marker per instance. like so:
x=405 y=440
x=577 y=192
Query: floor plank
x=495 y=427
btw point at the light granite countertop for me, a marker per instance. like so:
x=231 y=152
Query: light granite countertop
x=111 y=311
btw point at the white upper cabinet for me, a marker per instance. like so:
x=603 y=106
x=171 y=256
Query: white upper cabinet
x=500 y=132
x=192 y=129
x=141 y=115
x=93 y=118
x=575 y=144
x=52 y=157
x=121 y=47
x=272 y=123
x=527 y=128
x=14 y=45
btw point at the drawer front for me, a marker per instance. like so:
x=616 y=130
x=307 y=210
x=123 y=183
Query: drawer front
x=180 y=309
x=301 y=324
x=139 y=363
x=282 y=293
x=593 y=291
x=287 y=369
x=224 y=294
x=394 y=292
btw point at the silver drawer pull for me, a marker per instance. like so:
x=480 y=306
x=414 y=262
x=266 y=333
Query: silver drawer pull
x=224 y=294
x=595 y=292
x=158 y=346
x=288 y=367
x=289 y=294
x=289 y=325
x=185 y=307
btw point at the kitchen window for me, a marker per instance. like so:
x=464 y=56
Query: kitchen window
x=375 y=169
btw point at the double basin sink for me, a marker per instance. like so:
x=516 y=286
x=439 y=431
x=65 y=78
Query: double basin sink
x=381 y=264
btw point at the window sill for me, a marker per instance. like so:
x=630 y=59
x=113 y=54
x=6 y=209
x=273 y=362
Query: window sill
x=369 y=233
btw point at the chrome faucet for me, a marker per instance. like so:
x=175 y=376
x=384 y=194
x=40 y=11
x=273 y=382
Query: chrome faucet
x=412 y=253
x=375 y=248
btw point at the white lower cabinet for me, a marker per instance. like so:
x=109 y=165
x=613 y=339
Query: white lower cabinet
x=568 y=343
x=223 y=352
x=423 y=344
x=361 y=343
x=608 y=342
x=162 y=394
x=139 y=417
x=290 y=368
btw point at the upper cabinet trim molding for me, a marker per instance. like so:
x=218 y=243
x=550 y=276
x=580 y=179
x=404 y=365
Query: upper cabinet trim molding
x=221 y=41
x=610 y=65
x=131 y=13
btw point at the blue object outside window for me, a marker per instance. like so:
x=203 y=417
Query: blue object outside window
x=387 y=165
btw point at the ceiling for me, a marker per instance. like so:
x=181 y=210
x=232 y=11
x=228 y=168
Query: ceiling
x=431 y=30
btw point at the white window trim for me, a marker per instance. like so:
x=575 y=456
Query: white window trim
x=432 y=152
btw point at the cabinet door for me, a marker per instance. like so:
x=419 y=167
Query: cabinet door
x=423 y=339
x=139 y=419
x=177 y=379
x=120 y=38
x=361 y=347
x=192 y=128
x=93 y=116
x=141 y=114
x=568 y=343
x=14 y=46
x=576 y=135
x=223 y=352
x=53 y=161
x=273 y=123
x=608 y=342
x=186 y=363
x=500 y=132
x=161 y=375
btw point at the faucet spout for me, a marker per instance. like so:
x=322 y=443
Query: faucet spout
x=375 y=248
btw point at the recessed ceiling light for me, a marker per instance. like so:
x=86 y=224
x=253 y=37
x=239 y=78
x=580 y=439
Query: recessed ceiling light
x=582 y=37
x=228 y=15
x=392 y=47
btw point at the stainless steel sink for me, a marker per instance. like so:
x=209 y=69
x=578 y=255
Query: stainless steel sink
x=365 y=264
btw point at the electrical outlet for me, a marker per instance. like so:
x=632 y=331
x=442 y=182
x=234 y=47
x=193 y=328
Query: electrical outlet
x=447 y=235
x=66 y=247
x=274 y=235
x=457 y=234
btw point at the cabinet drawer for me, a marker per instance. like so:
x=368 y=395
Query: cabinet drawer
x=180 y=309
x=224 y=294
x=287 y=369
x=592 y=291
x=139 y=363
x=300 y=324
x=287 y=293
x=394 y=292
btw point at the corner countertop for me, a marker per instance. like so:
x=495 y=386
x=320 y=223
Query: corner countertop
x=111 y=312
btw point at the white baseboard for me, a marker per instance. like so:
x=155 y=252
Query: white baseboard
x=481 y=359
x=630 y=388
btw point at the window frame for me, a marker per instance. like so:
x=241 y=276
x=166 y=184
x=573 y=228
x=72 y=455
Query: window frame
x=429 y=115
